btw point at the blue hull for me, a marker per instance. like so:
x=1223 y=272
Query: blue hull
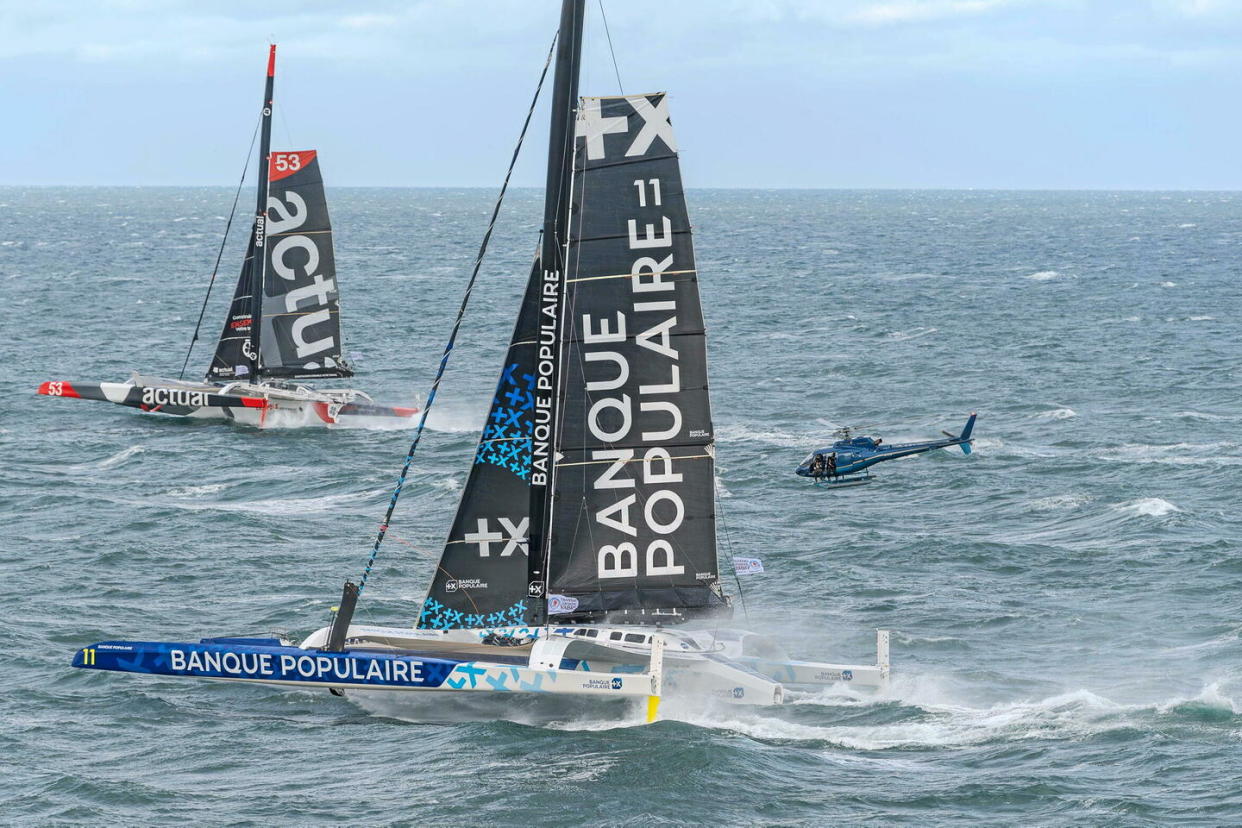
x=268 y=661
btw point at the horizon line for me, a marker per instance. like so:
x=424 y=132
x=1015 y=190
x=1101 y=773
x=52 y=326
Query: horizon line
x=963 y=189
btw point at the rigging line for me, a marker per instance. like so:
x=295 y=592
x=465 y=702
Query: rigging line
x=220 y=253
x=461 y=313
x=610 y=50
x=724 y=520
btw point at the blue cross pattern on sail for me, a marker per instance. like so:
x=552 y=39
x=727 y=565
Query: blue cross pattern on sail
x=436 y=616
x=507 y=436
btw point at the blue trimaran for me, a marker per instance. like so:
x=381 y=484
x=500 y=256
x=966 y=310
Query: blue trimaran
x=585 y=535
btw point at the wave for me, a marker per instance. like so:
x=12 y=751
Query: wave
x=1172 y=454
x=195 y=491
x=940 y=723
x=1150 y=506
x=1062 y=502
x=1199 y=415
x=1057 y=414
x=913 y=333
x=275 y=506
x=1044 y=276
x=115 y=460
x=737 y=433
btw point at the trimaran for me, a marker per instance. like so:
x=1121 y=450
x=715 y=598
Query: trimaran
x=586 y=532
x=287 y=283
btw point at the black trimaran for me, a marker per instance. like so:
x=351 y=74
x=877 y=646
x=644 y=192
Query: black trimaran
x=587 y=525
x=287 y=282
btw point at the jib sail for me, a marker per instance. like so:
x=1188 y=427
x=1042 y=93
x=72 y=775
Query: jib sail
x=234 y=358
x=481 y=580
x=633 y=522
x=301 y=330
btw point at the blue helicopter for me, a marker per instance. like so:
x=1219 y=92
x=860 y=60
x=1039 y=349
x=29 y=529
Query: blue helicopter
x=847 y=461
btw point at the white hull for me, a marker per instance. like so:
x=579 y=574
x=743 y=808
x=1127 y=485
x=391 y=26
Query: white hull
x=713 y=664
x=262 y=405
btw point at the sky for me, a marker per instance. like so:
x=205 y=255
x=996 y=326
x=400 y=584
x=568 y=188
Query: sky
x=1028 y=94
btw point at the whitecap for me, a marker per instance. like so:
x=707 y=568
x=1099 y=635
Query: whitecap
x=195 y=491
x=736 y=433
x=1063 y=413
x=1044 y=276
x=119 y=457
x=1060 y=502
x=1150 y=506
x=1168 y=284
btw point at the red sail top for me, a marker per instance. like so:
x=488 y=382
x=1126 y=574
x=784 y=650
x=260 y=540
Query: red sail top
x=271 y=62
x=283 y=164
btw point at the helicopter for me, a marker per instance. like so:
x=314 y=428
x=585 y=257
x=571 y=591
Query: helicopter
x=847 y=462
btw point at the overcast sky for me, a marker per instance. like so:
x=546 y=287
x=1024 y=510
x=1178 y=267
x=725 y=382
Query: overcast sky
x=1141 y=94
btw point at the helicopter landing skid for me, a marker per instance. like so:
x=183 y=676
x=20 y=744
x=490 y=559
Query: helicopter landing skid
x=843 y=481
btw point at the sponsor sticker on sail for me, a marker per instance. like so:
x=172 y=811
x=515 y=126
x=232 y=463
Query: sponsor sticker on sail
x=561 y=604
x=747 y=566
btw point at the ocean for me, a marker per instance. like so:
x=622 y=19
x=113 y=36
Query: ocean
x=1066 y=602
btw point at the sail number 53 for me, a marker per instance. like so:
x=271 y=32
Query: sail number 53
x=286 y=161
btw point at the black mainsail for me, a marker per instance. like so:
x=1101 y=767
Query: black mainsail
x=634 y=521
x=288 y=278
x=301 y=330
x=592 y=491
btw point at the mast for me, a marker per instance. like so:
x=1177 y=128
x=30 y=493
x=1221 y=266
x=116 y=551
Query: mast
x=552 y=263
x=260 y=212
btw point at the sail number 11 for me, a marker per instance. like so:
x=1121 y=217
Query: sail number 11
x=642 y=191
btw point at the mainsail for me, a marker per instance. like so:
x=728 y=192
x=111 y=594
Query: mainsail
x=301 y=331
x=633 y=525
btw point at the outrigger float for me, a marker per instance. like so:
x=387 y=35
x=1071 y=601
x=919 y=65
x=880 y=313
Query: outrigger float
x=288 y=283
x=582 y=559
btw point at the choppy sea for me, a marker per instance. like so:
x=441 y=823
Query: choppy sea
x=1067 y=601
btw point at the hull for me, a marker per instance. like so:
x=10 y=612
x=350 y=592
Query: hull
x=593 y=662
x=259 y=405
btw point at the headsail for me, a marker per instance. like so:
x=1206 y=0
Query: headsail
x=633 y=527
x=481 y=579
x=237 y=351
x=234 y=358
x=301 y=331
x=492 y=571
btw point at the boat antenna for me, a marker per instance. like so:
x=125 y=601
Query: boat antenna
x=344 y=613
x=219 y=253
